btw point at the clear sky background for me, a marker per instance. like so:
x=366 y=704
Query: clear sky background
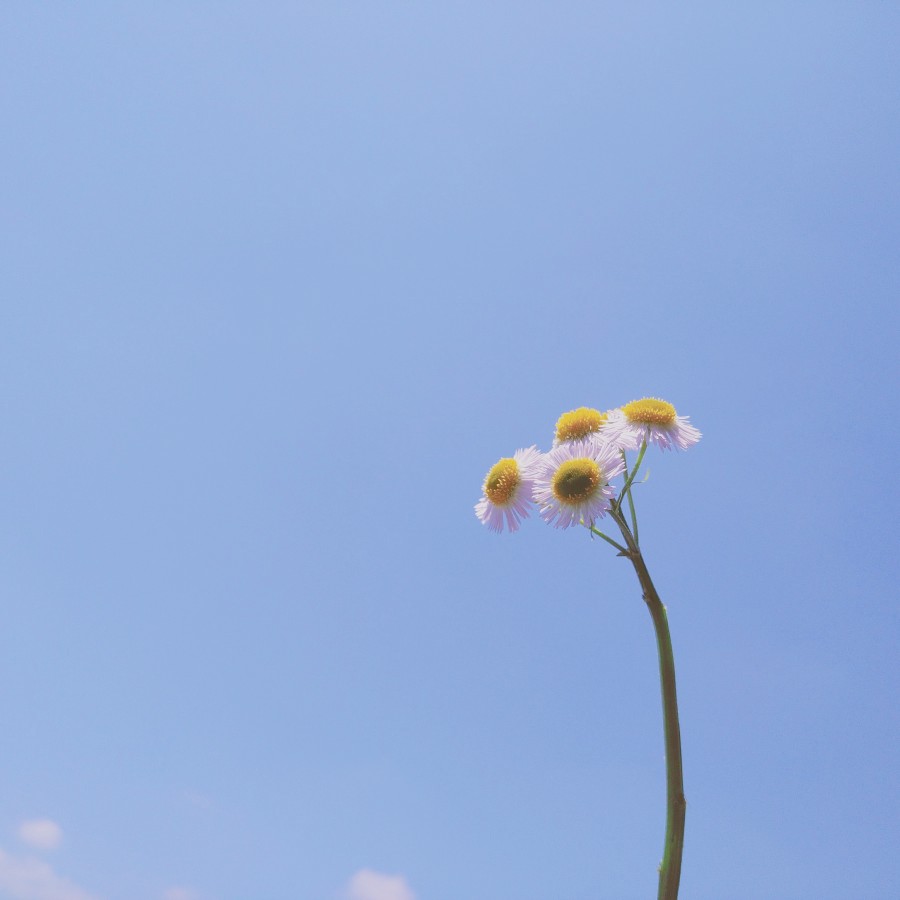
x=279 y=282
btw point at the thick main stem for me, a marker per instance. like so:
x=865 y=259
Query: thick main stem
x=676 y=805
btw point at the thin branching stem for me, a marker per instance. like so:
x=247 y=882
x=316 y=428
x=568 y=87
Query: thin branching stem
x=623 y=551
x=617 y=505
x=676 y=805
x=634 y=524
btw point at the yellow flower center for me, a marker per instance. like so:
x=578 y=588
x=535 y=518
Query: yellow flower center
x=502 y=481
x=650 y=411
x=576 y=480
x=579 y=423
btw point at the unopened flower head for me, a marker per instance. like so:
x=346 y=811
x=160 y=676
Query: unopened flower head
x=651 y=420
x=507 y=490
x=573 y=486
x=579 y=424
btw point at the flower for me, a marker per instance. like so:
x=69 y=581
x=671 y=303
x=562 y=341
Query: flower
x=507 y=490
x=578 y=424
x=572 y=485
x=651 y=420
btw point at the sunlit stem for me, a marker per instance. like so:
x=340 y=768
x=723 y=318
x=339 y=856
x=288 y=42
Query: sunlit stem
x=626 y=488
x=634 y=524
x=622 y=550
x=676 y=805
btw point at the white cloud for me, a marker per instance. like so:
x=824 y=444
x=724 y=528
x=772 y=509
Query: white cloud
x=42 y=834
x=32 y=879
x=369 y=885
x=179 y=893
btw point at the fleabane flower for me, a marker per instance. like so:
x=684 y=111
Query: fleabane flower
x=651 y=420
x=507 y=490
x=579 y=424
x=572 y=484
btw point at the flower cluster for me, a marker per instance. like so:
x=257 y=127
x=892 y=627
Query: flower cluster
x=571 y=484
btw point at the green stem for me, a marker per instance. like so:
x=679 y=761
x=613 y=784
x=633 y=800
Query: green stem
x=634 y=524
x=622 y=550
x=627 y=486
x=670 y=867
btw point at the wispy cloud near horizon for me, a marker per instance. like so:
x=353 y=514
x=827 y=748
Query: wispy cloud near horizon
x=28 y=878
x=368 y=884
x=42 y=834
x=180 y=893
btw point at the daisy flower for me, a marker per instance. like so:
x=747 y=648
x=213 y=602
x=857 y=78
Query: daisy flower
x=578 y=424
x=507 y=490
x=572 y=484
x=653 y=421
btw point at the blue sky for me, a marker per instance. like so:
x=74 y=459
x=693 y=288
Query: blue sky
x=279 y=283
